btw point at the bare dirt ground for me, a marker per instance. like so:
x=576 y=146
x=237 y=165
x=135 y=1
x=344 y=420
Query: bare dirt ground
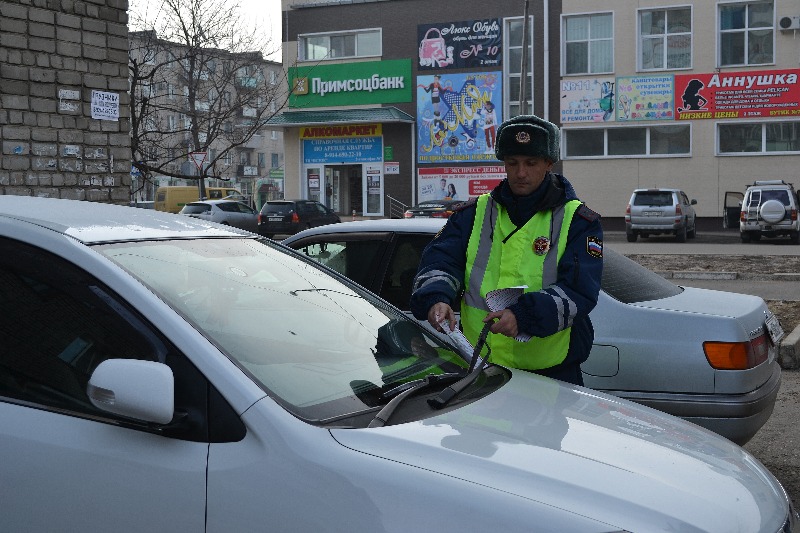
x=777 y=444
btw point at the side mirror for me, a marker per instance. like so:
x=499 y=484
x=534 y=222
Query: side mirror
x=694 y=202
x=142 y=390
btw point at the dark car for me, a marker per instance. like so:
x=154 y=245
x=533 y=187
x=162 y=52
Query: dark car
x=432 y=209
x=287 y=217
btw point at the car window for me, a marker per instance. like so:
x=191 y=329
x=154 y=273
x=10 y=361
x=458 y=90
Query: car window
x=244 y=208
x=403 y=264
x=355 y=259
x=781 y=195
x=60 y=323
x=278 y=208
x=654 y=198
x=228 y=207
x=214 y=195
x=194 y=209
x=629 y=282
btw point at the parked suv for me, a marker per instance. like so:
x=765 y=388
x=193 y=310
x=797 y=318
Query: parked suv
x=660 y=211
x=287 y=217
x=769 y=209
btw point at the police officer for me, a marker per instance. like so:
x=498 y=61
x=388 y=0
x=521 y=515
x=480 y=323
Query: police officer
x=531 y=231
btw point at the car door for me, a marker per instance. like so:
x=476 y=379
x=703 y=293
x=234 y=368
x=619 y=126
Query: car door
x=65 y=461
x=733 y=207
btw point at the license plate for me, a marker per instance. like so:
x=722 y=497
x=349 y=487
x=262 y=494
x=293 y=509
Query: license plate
x=651 y=213
x=274 y=219
x=774 y=329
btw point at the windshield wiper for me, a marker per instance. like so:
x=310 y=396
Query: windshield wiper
x=401 y=392
x=474 y=371
x=320 y=289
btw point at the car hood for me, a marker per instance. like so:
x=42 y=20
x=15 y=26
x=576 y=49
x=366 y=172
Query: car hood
x=589 y=454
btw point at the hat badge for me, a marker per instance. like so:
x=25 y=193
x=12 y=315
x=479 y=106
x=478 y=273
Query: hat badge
x=523 y=137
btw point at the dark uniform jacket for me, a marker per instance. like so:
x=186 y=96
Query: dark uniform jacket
x=579 y=271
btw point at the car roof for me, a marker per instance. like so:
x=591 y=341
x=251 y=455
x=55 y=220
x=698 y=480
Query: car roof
x=657 y=189
x=398 y=225
x=97 y=222
x=212 y=202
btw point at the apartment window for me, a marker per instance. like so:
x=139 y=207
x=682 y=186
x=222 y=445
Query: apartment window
x=273 y=135
x=359 y=43
x=747 y=33
x=227 y=158
x=588 y=46
x=262 y=159
x=274 y=158
x=644 y=141
x=759 y=138
x=513 y=34
x=273 y=77
x=665 y=39
x=244 y=158
x=172 y=123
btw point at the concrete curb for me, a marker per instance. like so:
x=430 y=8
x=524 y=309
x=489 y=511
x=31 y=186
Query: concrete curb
x=789 y=350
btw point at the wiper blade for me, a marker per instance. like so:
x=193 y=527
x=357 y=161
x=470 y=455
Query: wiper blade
x=475 y=370
x=320 y=289
x=404 y=391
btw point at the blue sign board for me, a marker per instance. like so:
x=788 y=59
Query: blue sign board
x=343 y=150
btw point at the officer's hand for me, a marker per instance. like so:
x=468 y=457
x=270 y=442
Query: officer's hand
x=506 y=323
x=441 y=311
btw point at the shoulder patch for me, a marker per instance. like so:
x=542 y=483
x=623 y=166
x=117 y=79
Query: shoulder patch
x=588 y=214
x=463 y=205
x=594 y=247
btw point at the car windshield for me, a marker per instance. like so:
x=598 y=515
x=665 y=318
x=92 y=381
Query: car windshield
x=655 y=198
x=320 y=345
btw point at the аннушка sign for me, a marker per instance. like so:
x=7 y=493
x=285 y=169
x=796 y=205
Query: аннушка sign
x=754 y=94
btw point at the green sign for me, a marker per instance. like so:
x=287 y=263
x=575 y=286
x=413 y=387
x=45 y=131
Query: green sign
x=344 y=84
x=388 y=153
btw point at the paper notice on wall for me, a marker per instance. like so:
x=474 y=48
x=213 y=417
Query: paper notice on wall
x=500 y=299
x=105 y=105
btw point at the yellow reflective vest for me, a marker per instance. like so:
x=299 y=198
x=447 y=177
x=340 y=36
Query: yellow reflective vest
x=497 y=259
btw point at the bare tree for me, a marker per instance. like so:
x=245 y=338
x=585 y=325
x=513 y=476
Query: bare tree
x=199 y=83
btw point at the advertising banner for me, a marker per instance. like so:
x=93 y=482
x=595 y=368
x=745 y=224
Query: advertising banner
x=343 y=84
x=645 y=98
x=342 y=143
x=756 y=94
x=457 y=116
x=466 y=44
x=457 y=183
x=589 y=100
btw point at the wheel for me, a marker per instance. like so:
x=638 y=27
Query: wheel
x=772 y=211
x=632 y=237
x=680 y=234
x=794 y=237
x=693 y=233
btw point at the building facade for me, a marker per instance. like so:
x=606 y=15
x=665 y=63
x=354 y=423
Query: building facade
x=702 y=96
x=698 y=95
x=396 y=101
x=64 y=107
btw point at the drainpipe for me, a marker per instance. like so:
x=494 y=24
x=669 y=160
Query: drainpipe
x=546 y=61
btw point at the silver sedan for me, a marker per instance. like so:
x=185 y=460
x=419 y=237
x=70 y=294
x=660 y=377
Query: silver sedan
x=707 y=356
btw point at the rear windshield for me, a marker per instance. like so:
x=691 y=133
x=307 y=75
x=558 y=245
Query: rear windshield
x=278 y=207
x=782 y=195
x=653 y=198
x=629 y=282
x=193 y=209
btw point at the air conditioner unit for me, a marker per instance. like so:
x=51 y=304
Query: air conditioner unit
x=789 y=23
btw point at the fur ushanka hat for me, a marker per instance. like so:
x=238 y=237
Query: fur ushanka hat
x=528 y=135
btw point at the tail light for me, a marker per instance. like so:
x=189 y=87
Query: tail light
x=678 y=213
x=259 y=219
x=742 y=216
x=408 y=214
x=440 y=214
x=628 y=213
x=737 y=355
x=793 y=214
x=295 y=218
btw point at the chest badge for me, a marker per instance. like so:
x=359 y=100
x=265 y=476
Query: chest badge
x=541 y=245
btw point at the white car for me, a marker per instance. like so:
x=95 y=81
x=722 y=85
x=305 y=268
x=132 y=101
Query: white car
x=706 y=356
x=161 y=373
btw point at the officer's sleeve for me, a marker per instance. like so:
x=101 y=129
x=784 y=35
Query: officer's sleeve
x=575 y=292
x=440 y=276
